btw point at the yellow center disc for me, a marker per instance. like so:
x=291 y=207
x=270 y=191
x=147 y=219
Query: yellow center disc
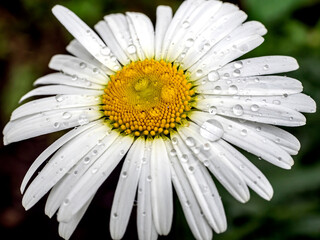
x=147 y=97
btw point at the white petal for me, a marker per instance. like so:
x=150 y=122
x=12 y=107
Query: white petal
x=215 y=162
x=126 y=189
x=192 y=25
x=248 y=139
x=261 y=66
x=66 y=229
x=263 y=109
x=161 y=189
x=108 y=37
x=59 y=89
x=164 y=17
x=282 y=138
x=48 y=122
x=93 y=178
x=61 y=162
x=252 y=175
x=53 y=148
x=221 y=25
x=78 y=67
x=214 y=84
x=63 y=79
x=145 y=223
x=192 y=211
x=55 y=103
x=184 y=10
x=144 y=32
x=88 y=38
x=120 y=29
x=79 y=51
x=202 y=185
x=224 y=52
x=60 y=191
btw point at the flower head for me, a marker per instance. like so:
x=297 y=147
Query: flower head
x=172 y=102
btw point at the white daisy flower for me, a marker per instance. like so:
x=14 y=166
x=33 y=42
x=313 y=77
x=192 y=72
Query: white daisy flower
x=171 y=102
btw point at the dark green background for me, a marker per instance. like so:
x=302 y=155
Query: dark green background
x=30 y=35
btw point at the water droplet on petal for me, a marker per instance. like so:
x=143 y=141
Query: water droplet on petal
x=59 y=98
x=190 y=141
x=213 y=76
x=276 y=102
x=173 y=152
x=254 y=108
x=199 y=72
x=189 y=42
x=188 y=204
x=83 y=65
x=211 y=130
x=217 y=90
x=258 y=129
x=82 y=120
x=185 y=24
x=244 y=132
x=124 y=174
x=174 y=140
x=149 y=178
x=213 y=110
x=237 y=110
x=206 y=163
x=66 y=115
x=266 y=67
x=236 y=73
x=184 y=158
x=238 y=64
x=94 y=170
x=56 y=125
x=105 y=51
x=86 y=160
x=115 y=215
x=66 y=201
x=132 y=49
x=233 y=89
x=74 y=77
x=191 y=169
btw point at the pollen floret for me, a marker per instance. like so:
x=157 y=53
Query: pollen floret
x=148 y=98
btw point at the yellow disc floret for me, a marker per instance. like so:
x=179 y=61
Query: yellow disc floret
x=147 y=98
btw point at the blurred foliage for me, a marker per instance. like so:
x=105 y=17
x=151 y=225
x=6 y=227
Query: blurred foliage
x=30 y=35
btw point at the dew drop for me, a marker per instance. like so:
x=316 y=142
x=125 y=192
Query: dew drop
x=124 y=174
x=276 y=102
x=244 y=48
x=94 y=170
x=83 y=65
x=266 y=67
x=122 y=152
x=115 y=215
x=56 y=125
x=189 y=42
x=244 y=132
x=213 y=76
x=237 y=110
x=191 y=169
x=257 y=80
x=173 y=152
x=199 y=73
x=59 y=98
x=233 y=89
x=184 y=158
x=74 y=77
x=95 y=70
x=226 y=75
x=86 y=160
x=206 y=163
x=149 y=178
x=236 y=73
x=105 y=51
x=217 y=90
x=66 y=115
x=213 y=110
x=66 y=201
x=254 y=108
x=196 y=150
x=174 y=140
x=82 y=120
x=95 y=152
x=187 y=203
x=211 y=130
x=190 y=141
x=131 y=49
x=238 y=64
x=185 y=24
